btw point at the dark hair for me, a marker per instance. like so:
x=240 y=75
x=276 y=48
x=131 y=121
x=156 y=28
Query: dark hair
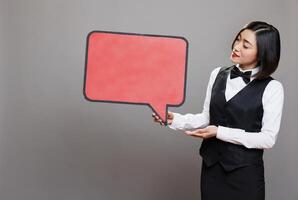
x=268 y=47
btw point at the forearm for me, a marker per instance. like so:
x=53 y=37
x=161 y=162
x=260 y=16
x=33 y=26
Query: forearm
x=258 y=140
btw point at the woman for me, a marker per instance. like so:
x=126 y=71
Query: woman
x=241 y=117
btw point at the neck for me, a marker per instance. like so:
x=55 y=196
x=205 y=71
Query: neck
x=246 y=67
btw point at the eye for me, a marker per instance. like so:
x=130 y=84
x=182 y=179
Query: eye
x=245 y=47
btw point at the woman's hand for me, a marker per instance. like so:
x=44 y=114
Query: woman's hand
x=208 y=132
x=170 y=118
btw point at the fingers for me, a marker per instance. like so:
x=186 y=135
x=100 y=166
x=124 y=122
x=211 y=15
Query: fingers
x=203 y=130
x=170 y=115
x=170 y=118
x=193 y=133
x=196 y=133
x=157 y=119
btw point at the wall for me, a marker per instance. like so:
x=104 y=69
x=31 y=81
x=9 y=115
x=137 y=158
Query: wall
x=56 y=145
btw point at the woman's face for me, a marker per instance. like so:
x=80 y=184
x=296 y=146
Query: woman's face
x=245 y=50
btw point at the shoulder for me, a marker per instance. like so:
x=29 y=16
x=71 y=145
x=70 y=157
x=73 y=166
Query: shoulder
x=213 y=75
x=215 y=71
x=274 y=91
x=274 y=86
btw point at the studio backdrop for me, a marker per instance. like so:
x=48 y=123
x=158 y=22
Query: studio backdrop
x=54 y=144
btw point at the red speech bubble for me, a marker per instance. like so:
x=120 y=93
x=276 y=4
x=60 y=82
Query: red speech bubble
x=136 y=69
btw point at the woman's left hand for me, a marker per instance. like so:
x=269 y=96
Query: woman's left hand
x=208 y=132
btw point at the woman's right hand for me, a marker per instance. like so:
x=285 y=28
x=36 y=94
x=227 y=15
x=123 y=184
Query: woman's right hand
x=157 y=119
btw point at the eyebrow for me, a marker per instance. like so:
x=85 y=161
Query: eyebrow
x=245 y=40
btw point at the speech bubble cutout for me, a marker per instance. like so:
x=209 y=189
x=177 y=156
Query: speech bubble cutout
x=136 y=69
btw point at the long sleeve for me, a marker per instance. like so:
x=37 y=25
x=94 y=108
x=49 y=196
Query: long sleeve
x=191 y=121
x=272 y=100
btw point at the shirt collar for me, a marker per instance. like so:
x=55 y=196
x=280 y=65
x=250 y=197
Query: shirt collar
x=253 y=71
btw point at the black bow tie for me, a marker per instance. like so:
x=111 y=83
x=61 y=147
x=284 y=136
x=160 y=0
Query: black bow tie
x=235 y=72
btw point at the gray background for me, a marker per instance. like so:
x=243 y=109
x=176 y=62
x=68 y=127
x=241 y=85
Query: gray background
x=56 y=145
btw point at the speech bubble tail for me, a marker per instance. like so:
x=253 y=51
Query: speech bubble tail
x=161 y=111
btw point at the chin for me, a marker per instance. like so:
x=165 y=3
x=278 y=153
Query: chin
x=234 y=61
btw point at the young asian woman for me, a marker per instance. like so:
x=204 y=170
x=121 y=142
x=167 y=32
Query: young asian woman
x=240 y=118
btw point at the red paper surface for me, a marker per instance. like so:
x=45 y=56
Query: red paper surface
x=137 y=69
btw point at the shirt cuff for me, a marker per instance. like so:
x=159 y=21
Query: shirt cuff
x=175 y=123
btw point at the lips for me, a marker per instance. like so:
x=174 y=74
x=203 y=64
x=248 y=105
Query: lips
x=235 y=55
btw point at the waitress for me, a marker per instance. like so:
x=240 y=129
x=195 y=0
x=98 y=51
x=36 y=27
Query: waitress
x=241 y=117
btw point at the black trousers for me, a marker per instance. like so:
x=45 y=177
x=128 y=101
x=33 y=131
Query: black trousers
x=245 y=183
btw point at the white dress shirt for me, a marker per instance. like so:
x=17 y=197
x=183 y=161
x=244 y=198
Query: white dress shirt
x=272 y=100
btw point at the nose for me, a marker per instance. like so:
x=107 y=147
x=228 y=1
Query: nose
x=236 y=47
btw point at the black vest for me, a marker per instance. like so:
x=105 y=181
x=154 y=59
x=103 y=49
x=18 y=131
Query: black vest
x=243 y=111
